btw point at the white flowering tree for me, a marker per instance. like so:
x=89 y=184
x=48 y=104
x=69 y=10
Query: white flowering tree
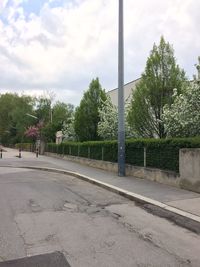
x=68 y=130
x=182 y=119
x=108 y=124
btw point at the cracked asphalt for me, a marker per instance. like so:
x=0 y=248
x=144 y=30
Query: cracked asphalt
x=43 y=212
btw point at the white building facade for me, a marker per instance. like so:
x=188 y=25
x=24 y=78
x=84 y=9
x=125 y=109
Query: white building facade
x=128 y=88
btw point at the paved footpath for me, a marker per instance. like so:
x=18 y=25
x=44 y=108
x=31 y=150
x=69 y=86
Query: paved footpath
x=182 y=202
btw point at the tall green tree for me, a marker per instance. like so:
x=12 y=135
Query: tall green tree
x=87 y=114
x=155 y=90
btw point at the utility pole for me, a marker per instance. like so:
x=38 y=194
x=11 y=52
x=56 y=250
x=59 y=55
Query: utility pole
x=121 y=128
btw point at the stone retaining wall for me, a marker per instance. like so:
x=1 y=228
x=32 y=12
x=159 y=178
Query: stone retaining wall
x=189 y=165
x=189 y=169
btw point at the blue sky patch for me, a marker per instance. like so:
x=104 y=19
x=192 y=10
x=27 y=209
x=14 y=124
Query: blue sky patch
x=33 y=6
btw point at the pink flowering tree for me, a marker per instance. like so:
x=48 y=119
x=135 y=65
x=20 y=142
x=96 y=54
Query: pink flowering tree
x=33 y=132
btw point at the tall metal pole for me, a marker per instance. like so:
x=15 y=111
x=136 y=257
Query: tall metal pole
x=121 y=128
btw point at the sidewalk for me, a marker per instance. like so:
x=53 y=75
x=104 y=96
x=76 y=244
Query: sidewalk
x=172 y=197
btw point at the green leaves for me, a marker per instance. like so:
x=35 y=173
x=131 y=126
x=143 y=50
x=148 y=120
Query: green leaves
x=87 y=114
x=13 y=119
x=161 y=153
x=155 y=89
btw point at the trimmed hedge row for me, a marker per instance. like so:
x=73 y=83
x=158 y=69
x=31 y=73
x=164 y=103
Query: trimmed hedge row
x=25 y=146
x=95 y=150
x=160 y=153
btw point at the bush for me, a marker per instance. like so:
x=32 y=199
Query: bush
x=25 y=146
x=160 y=153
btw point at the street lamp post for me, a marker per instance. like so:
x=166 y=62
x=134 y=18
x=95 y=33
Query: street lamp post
x=121 y=128
x=32 y=116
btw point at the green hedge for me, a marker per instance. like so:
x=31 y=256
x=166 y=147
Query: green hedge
x=25 y=146
x=160 y=153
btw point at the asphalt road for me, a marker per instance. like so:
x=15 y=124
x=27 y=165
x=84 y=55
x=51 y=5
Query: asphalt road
x=43 y=212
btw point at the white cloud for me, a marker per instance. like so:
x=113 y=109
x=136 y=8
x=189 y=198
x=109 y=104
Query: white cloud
x=3 y=4
x=66 y=46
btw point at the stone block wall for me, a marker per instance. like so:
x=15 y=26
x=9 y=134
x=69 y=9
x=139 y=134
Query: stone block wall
x=189 y=166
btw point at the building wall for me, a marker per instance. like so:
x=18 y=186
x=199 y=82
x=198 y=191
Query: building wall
x=128 y=88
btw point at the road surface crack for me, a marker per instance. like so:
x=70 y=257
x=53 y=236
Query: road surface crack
x=21 y=235
x=148 y=237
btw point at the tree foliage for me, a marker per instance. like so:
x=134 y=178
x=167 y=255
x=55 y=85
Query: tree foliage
x=155 y=90
x=87 y=114
x=60 y=114
x=108 y=123
x=20 y=116
x=43 y=109
x=68 y=129
x=13 y=119
x=182 y=118
x=32 y=132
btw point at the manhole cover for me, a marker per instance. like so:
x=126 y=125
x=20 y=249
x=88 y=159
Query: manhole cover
x=55 y=259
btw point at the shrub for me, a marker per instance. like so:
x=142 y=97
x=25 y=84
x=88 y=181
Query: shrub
x=25 y=146
x=160 y=153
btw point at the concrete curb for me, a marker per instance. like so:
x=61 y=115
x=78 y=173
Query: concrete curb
x=127 y=194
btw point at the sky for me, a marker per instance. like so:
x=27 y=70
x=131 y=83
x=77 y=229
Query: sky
x=61 y=45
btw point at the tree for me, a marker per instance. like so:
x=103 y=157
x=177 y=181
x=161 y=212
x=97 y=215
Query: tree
x=33 y=132
x=182 y=118
x=61 y=113
x=43 y=109
x=155 y=90
x=13 y=119
x=68 y=129
x=87 y=114
x=108 y=124
x=23 y=105
x=16 y=126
